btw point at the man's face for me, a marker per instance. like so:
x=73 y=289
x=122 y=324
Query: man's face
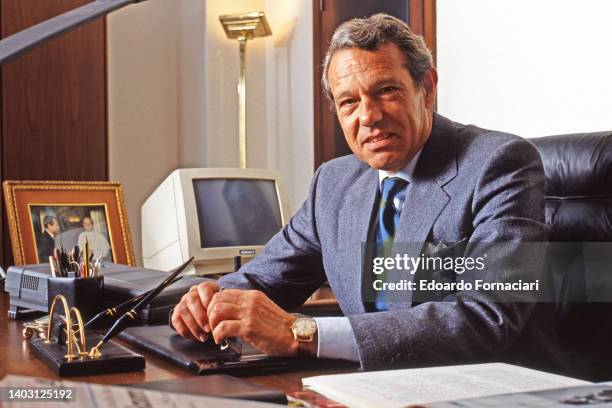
x=87 y=224
x=53 y=227
x=385 y=118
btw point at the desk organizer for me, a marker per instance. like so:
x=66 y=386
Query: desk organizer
x=86 y=294
x=72 y=358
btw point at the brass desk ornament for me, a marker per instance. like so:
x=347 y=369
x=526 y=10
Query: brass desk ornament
x=65 y=360
x=38 y=327
x=72 y=357
x=70 y=335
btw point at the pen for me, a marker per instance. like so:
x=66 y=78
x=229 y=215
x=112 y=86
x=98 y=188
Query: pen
x=224 y=343
x=96 y=268
x=52 y=266
x=76 y=253
x=130 y=315
x=228 y=342
x=87 y=265
x=56 y=262
x=65 y=260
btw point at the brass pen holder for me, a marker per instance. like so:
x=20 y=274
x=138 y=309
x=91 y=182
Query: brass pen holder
x=71 y=357
x=71 y=338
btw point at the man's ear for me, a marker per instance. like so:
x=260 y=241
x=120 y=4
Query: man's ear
x=430 y=83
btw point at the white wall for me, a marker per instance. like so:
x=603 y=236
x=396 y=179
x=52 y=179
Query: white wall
x=290 y=110
x=142 y=102
x=172 y=81
x=192 y=69
x=530 y=67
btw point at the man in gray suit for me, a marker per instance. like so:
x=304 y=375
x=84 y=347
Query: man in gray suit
x=415 y=177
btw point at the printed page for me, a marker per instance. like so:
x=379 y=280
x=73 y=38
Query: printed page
x=396 y=388
x=599 y=395
x=20 y=392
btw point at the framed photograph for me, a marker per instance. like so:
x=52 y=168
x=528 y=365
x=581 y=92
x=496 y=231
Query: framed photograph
x=43 y=215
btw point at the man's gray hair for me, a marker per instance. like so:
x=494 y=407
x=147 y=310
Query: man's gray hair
x=370 y=34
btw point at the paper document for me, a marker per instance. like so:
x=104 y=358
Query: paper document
x=398 y=388
x=597 y=395
x=20 y=392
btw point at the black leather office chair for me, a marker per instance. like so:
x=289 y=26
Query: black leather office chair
x=578 y=170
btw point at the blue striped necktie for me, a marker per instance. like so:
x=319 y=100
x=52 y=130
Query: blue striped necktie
x=388 y=220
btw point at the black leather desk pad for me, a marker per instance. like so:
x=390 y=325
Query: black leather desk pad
x=207 y=358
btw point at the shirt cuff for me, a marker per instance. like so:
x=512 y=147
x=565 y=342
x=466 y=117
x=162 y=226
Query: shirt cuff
x=336 y=339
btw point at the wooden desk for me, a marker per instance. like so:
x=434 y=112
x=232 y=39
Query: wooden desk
x=16 y=358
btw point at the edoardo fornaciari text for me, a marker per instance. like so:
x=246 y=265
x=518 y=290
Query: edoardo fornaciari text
x=478 y=284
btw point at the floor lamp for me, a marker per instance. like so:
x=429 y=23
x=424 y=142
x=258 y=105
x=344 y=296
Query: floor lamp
x=243 y=27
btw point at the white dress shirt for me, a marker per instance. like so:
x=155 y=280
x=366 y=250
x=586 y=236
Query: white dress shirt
x=335 y=334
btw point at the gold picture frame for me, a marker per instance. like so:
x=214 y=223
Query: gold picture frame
x=45 y=214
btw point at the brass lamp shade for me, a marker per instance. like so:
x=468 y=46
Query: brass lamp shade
x=245 y=25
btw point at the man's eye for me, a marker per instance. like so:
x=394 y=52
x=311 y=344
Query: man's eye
x=346 y=103
x=388 y=89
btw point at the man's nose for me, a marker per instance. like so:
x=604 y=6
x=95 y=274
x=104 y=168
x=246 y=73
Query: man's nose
x=370 y=113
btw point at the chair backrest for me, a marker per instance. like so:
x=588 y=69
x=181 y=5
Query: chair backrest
x=578 y=171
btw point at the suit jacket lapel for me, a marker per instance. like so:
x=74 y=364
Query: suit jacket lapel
x=362 y=198
x=425 y=198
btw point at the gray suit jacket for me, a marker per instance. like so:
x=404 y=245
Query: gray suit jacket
x=469 y=184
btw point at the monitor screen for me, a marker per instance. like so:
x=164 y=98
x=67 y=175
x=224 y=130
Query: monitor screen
x=236 y=212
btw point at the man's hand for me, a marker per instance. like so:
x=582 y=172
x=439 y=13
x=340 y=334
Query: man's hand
x=190 y=318
x=252 y=316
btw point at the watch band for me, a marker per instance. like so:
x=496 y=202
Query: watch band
x=304 y=349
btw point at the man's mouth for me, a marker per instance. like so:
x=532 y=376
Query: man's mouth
x=378 y=141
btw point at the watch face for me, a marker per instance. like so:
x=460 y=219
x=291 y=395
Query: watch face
x=305 y=327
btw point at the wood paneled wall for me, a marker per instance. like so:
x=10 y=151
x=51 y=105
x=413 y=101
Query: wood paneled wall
x=53 y=116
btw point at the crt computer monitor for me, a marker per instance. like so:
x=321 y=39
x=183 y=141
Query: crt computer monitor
x=213 y=214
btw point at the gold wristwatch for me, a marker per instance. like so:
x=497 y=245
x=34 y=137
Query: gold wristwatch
x=304 y=330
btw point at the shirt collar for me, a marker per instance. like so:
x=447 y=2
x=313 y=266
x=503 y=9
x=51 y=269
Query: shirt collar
x=405 y=173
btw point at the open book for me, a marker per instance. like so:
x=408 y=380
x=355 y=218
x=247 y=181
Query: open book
x=399 y=388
